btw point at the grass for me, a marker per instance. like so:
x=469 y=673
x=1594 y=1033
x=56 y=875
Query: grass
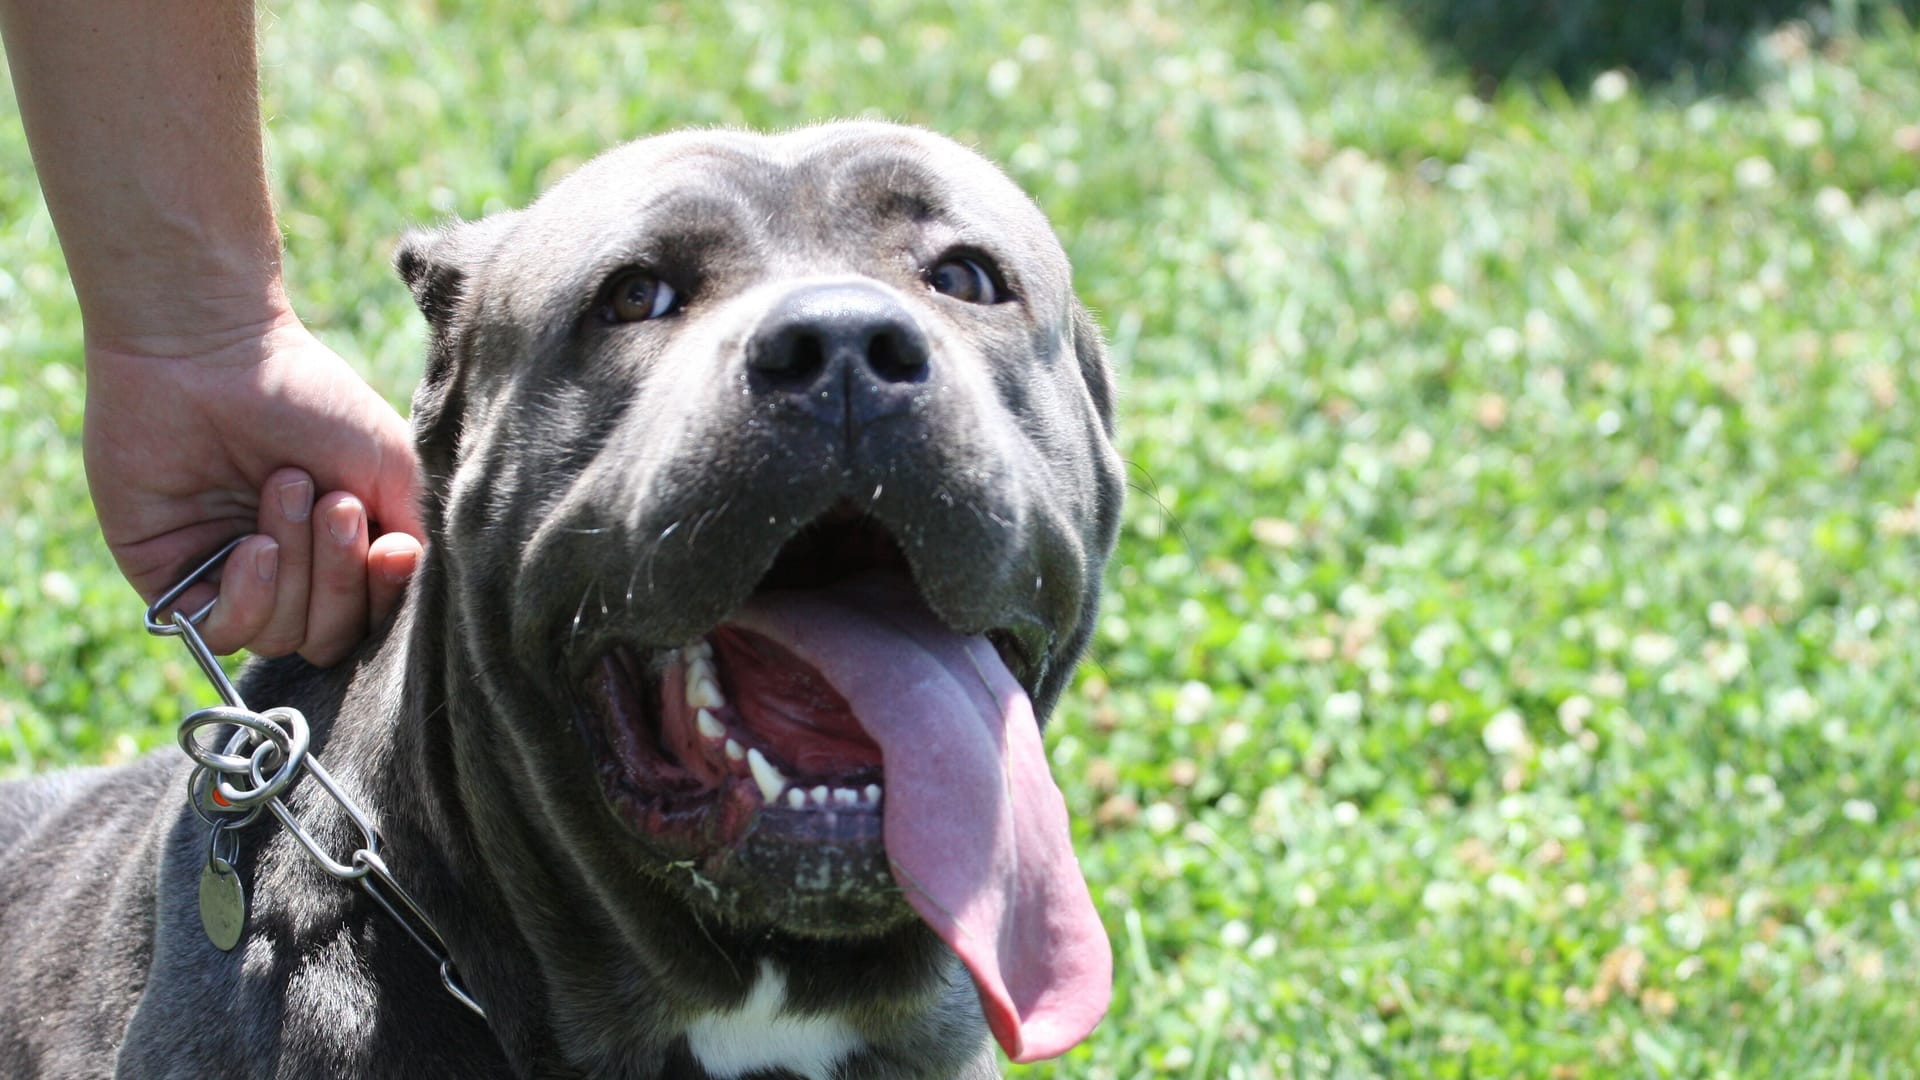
x=1513 y=651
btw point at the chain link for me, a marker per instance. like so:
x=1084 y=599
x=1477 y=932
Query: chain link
x=262 y=756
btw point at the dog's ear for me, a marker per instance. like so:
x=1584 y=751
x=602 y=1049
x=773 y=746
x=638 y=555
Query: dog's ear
x=437 y=263
x=439 y=266
x=1090 y=349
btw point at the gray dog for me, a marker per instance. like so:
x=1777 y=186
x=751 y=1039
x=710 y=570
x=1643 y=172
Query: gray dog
x=769 y=486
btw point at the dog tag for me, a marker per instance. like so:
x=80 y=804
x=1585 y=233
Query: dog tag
x=223 y=905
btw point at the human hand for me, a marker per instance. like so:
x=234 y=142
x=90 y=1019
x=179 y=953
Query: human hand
x=186 y=451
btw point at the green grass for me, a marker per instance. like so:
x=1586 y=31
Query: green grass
x=1513 y=651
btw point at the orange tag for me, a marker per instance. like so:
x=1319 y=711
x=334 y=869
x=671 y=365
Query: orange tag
x=217 y=800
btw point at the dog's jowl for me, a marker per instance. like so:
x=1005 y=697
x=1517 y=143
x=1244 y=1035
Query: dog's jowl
x=769 y=485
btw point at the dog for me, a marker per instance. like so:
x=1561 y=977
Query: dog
x=769 y=482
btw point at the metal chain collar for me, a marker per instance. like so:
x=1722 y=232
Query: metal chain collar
x=263 y=756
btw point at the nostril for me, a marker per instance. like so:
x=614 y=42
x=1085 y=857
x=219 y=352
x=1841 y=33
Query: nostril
x=796 y=355
x=896 y=357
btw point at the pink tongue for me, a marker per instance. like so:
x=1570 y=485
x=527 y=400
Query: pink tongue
x=976 y=831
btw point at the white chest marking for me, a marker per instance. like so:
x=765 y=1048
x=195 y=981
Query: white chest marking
x=756 y=1036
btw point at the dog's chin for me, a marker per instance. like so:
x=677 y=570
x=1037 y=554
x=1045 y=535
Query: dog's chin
x=744 y=768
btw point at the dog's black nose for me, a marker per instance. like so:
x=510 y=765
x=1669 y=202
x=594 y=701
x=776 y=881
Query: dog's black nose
x=843 y=353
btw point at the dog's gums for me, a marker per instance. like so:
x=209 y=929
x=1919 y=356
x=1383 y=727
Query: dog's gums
x=740 y=725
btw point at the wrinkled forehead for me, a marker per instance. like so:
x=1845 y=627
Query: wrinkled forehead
x=804 y=190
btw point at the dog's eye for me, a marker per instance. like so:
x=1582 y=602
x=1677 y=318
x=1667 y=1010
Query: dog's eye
x=636 y=296
x=963 y=279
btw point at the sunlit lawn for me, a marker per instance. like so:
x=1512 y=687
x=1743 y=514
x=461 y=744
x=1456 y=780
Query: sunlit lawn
x=1512 y=656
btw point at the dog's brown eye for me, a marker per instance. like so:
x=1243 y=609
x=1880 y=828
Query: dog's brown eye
x=963 y=279
x=636 y=296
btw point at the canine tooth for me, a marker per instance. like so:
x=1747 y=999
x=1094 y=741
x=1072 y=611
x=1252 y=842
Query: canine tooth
x=843 y=796
x=819 y=795
x=702 y=691
x=770 y=779
x=709 y=725
x=872 y=793
x=736 y=752
x=797 y=799
x=699 y=650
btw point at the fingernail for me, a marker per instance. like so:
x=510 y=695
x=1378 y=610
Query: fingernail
x=398 y=567
x=267 y=563
x=296 y=499
x=343 y=521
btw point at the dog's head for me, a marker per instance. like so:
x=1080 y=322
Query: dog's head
x=770 y=486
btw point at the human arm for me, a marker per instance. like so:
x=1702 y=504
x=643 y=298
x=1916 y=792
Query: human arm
x=207 y=400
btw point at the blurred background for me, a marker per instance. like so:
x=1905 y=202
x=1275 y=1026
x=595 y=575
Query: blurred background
x=1512 y=654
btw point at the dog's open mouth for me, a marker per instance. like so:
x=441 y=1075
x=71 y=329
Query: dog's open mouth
x=736 y=732
x=834 y=744
x=749 y=729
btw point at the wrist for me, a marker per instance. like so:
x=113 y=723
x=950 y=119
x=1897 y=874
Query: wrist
x=184 y=315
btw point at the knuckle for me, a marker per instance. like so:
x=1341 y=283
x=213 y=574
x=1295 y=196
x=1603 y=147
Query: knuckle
x=270 y=649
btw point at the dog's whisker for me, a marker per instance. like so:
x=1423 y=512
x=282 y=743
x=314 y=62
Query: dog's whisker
x=693 y=538
x=653 y=552
x=708 y=934
x=1151 y=489
x=578 y=614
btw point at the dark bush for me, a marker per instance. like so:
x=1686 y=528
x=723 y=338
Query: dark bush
x=1573 y=40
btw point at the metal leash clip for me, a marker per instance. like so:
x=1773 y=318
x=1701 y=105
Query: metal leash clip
x=261 y=757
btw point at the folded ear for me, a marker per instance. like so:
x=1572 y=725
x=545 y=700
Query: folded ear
x=439 y=265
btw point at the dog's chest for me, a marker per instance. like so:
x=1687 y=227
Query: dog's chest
x=760 y=1035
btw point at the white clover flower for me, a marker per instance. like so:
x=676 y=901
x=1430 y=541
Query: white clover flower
x=1003 y=78
x=59 y=588
x=1505 y=733
x=1504 y=886
x=1795 y=705
x=1191 y=702
x=1430 y=645
x=1343 y=707
x=1832 y=203
x=1652 y=649
x=1754 y=173
x=1161 y=818
x=1574 y=713
x=1235 y=935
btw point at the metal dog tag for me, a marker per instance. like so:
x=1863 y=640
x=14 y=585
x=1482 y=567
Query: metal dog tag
x=223 y=904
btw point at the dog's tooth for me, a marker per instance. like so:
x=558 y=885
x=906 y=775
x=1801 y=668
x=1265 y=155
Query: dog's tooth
x=819 y=795
x=702 y=691
x=872 y=793
x=796 y=798
x=844 y=796
x=699 y=650
x=736 y=752
x=709 y=725
x=770 y=779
